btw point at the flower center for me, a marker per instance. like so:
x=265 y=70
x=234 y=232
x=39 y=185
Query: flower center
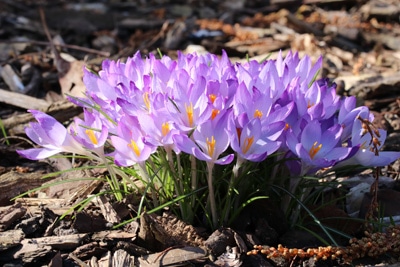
x=133 y=145
x=189 y=112
x=248 y=142
x=165 y=128
x=287 y=126
x=212 y=98
x=214 y=113
x=210 y=146
x=314 y=149
x=258 y=114
x=92 y=136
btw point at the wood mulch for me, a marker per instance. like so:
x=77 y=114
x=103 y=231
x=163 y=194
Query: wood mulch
x=43 y=46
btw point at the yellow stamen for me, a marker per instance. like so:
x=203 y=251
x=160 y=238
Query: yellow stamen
x=134 y=148
x=309 y=105
x=314 y=150
x=210 y=146
x=212 y=98
x=287 y=126
x=165 y=128
x=146 y=100
x=248 y=142
x=189 y=112
x=258 y=114
x=214 y=113
x=91 y=136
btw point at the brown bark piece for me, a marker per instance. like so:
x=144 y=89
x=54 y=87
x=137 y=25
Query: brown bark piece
x=31 y=251
x=372 y=88
x=10 y=239
x=107 y=210
x=121 y=259
x=22 y=101
x=113 y=235
x=36 y=205
x=61 y=111
x=14 y=183
x=10 y=214
x=92 y=249
x=65 y=242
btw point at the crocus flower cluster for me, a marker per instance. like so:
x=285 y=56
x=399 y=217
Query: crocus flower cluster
x=216 y=111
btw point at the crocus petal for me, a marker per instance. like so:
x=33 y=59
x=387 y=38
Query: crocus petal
x=184 y=143
x=55 y=130
x=201 y=155
x=369 y=159
x=311 y=134
x=225 y=160
x=38 y=153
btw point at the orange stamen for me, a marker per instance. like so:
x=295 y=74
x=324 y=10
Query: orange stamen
x=258 y=114
x=165 y=128
x=214 y=113
x=212 y=98
x=248 y=142
x=314 y=149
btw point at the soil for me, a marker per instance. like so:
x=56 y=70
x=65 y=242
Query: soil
x=45 y=44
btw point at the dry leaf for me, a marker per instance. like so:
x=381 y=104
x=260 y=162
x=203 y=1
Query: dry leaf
x=71 y=81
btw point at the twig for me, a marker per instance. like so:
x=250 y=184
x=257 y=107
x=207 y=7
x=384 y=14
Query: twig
x=45 y=28
x=368 y=128
x=69 y=46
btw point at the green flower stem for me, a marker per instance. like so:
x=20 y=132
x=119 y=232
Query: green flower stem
x=154 y=169
x=231 y=187
x=211 y=194
x=113 y=176
x=187 y=207
x=276 y=170
x=236 y=168
x=124 y=176
x=177 y=179
x=193 y=171
x=145 y=175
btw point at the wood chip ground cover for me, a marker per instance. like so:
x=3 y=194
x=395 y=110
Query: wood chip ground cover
x=360 y=43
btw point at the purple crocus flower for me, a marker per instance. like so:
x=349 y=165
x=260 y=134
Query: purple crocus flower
x=51 y=135
x=159 y=128
x=211 y=139
x=365 y=155
x=189 y=105
x=90 y=132
x=129 y=144
x=316 y=147
x=250 y=141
